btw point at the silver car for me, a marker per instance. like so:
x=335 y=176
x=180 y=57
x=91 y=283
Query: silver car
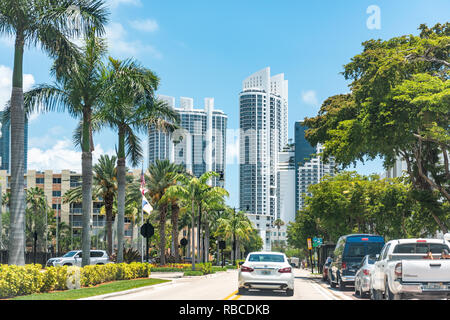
x=73 y=258
x=362 y=276
x=266 y=270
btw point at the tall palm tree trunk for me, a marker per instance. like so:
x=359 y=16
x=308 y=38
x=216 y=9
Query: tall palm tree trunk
x=193 y=237
x=206 y=240
x=175 y=213
x=120 y=207
x=17 y=205
x=86 y=171
x=109 y=223
x=199 y=233
x=162 y=234
x=86 y=187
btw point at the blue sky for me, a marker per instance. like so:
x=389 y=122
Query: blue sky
x=206 y=48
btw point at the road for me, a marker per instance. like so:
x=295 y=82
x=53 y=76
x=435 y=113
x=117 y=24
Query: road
x=223 y=286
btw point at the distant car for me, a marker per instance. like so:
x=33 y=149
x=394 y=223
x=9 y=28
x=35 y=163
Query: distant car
x=266 y=270
x=350 y=250
x=73 y=258
x=362 y=277
x=326 y=265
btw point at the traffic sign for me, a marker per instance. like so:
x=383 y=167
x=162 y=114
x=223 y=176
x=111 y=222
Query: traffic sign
x=317 y=242
x=147 y=230
x=309 y=244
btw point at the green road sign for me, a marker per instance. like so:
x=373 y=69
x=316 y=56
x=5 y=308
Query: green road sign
x=317 y=242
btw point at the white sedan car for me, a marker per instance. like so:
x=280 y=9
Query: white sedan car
x=266 y=270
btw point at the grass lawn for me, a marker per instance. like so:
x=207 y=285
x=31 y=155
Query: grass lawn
x=93 y=291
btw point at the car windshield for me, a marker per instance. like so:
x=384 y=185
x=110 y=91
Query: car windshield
x=266 y=258
x=70 y=254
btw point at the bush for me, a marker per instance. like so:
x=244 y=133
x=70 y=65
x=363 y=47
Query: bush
x=231 y=267
x=29 y=279
x=217 y=269
x=206 y=268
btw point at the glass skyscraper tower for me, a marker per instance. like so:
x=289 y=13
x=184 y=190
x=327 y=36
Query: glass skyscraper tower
x=5 y=145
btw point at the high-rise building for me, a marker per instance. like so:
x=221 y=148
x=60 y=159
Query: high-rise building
x=5 y=145
x=200 y=144
x=303 y=153
x=312 y=172
x=263 y=106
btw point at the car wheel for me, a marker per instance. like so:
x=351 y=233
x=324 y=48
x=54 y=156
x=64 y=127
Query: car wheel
x=341 y=284
x=290 y=292
x=242 y=291
x=388 y=295
x=357 y=291
x=99 y=264
x=67 y=264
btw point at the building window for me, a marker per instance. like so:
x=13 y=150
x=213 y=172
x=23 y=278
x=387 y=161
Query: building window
x=56 y=193
x=56 y=180
x=39 y=180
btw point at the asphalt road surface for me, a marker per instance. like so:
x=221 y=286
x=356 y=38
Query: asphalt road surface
x=223 y=286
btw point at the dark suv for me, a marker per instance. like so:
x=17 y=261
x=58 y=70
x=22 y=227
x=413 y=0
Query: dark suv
x=350 y=250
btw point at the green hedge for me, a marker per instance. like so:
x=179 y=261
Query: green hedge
x=29 y=279
x=217 y=269
x=193 y=273
x=168 y=269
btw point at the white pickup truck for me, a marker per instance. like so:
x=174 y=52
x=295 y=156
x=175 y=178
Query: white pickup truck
x=402 y=272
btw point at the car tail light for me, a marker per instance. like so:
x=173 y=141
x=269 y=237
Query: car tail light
x=398 y=270
x=344 y=265
x=421 y=241
x=246 y=269
x=285 y=270
x=364 y=239
x=366 y=272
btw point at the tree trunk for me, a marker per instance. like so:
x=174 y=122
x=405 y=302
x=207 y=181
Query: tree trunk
x=86 y=171
x=175 y=213
x=16 y=246
x=162 y=234
x=109 y=222
x=193 y=237
x=199 y=233
x=120 y=207
x=206 y=240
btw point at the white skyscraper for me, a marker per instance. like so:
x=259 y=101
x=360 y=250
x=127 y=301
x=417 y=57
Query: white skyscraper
x=200 y=144
x=263 y=104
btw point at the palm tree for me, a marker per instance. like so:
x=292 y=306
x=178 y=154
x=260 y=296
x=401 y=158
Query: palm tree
x=235 y=226
x=161 y=176
x=48 y=24
x=130 y=108
x=105 y=187
x=37 y=216
x=79 y=90
x=191 y=190
x=278 y=223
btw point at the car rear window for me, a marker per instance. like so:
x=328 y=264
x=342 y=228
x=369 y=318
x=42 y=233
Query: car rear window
x=266 y=258
x=421 y=248
x=96 y=254
x=361 y=249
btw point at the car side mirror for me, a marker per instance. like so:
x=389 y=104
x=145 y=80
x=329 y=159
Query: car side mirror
x=241 y=263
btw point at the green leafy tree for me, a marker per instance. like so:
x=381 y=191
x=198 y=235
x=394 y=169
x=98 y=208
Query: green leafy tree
x=48 y=24
x=397 y=108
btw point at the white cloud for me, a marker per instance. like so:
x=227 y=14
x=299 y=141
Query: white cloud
x=118 y=45
x=310 y=97
x=61 y=156
x=148 y=25
x=6 y=84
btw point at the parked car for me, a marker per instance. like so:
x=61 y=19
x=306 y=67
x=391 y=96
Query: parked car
x=73 y=258
x=266 y=270
x=350 y=250
x=403 y=270
x=326 y=265
x=294 y=261
x=362 y=276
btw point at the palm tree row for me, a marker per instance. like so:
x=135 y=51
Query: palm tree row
x=116 y=94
